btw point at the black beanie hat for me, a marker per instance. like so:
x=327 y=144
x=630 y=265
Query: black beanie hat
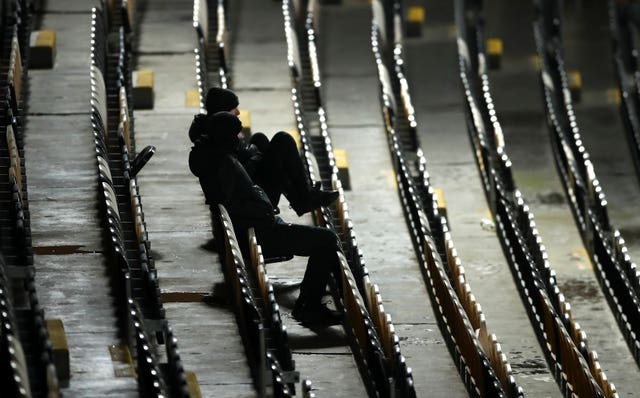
x=223 y=129
x=220 y=99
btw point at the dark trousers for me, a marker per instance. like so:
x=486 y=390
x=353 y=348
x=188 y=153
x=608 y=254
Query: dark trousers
x=281 y=170
x=319 y=244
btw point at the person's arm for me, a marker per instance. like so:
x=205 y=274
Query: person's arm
x=249 y=156
x=230 y=179
x=245 y=201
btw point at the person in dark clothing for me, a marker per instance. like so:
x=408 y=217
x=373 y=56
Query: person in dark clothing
x=224 y=180
x=275 y=165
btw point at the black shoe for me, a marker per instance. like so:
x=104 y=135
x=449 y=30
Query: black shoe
x=316 y=315
x=315 y=198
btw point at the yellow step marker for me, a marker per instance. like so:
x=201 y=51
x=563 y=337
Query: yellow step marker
x=415 y=21
x=494 y=53
x=452 y=31
x=143 y=78
x=42 y=49
x=122 y=361
x=535 y=61
x=392 y=179
x=192 y=385
x=245 y=118
x=143 y=89
x=60 y=349
x=342 y=163
x=574 y=81
x=442 y=206
x=193 y=99
x=296 y=136
x=584 y=260
x=614 y=96
x=488 y=224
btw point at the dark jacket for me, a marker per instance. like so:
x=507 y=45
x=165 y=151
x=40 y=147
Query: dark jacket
x=250 y=157
x=225 y=181
x=248 y=154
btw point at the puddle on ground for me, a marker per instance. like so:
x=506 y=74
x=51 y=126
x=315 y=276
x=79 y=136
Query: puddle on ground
x=527 y=366
x=550 y=198
x=579 y=290
x=420 y=341
x=60 y=250
x=530 y=367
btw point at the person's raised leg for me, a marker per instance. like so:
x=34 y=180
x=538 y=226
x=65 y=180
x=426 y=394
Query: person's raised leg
x=263 y=173
x=283 y=168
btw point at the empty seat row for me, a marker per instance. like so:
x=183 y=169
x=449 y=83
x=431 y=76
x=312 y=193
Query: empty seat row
x=397 y=370
x=382 y=367
x=128 y=226
x=373 y=329
x=458 y=309
x=17 y=180
x=488 y=341
x=614 y=268
x=517 y=230
x=18 y=220
x=150 y=382
x=474 y=364
x=473 y=359
x=567 y=369
x=141 y=312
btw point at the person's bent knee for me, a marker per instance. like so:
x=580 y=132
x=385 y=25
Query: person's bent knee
x=327 y=240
